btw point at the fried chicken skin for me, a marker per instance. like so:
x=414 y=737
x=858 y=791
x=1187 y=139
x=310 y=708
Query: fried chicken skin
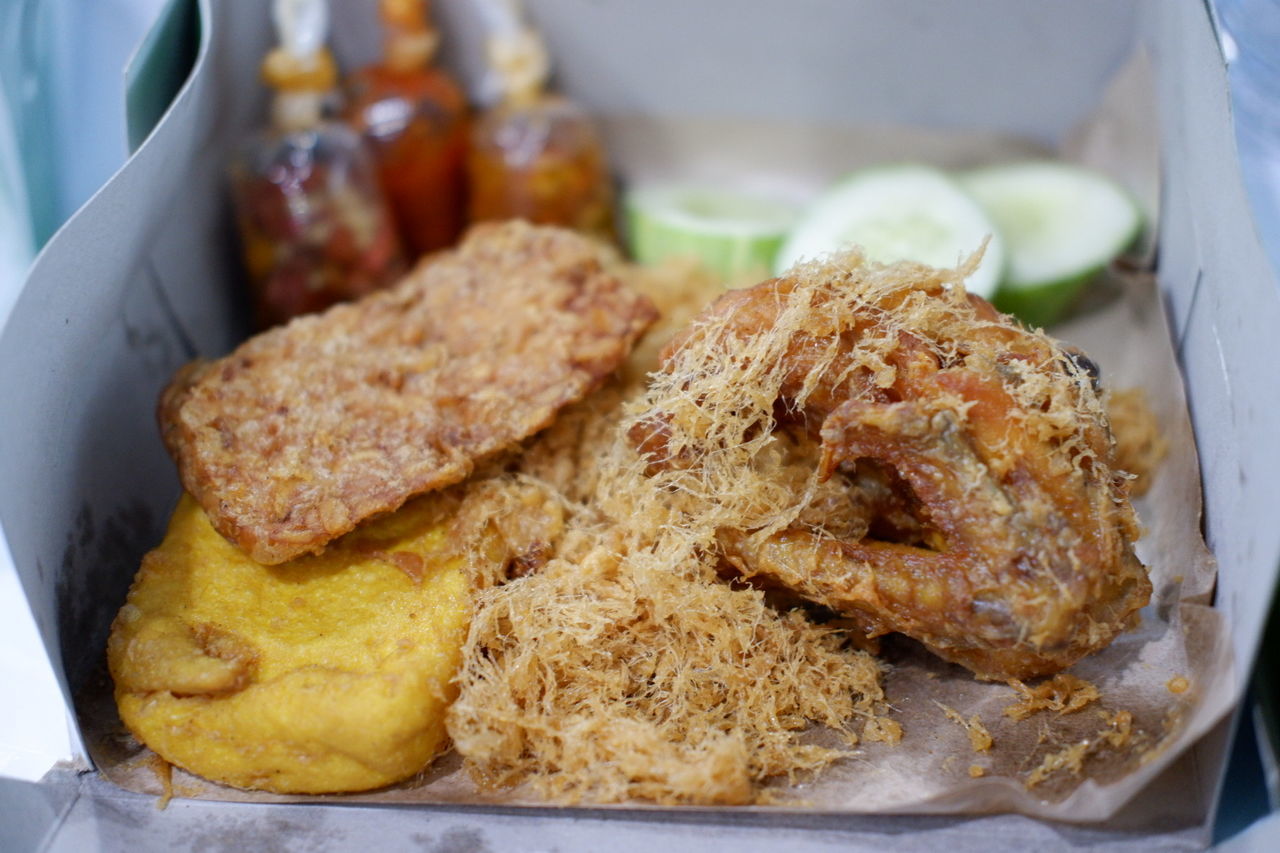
x=308 y=429
x=1022 y=560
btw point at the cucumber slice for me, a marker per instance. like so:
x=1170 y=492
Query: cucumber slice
x=735 y=234
x=1062 y=225
x=896 y=213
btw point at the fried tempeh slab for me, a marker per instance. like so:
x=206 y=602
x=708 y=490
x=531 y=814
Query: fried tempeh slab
x=308 y=429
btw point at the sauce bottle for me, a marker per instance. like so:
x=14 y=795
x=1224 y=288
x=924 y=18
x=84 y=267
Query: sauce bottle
x=314 y=226
x=415 y=119
x=535 y=155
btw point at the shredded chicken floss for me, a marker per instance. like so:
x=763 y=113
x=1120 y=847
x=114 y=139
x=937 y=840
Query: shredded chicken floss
x=607 y=660
x=627 y=640
x=1003 y=537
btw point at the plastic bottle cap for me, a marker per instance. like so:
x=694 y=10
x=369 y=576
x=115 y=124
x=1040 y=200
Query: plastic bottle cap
x=515 y=50
x=411 y=39
x=288 y=72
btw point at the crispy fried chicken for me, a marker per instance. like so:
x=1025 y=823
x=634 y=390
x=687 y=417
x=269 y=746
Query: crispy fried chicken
x=1022 y=559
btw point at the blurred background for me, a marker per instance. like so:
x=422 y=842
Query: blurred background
x=62 y=120
x=63 y=131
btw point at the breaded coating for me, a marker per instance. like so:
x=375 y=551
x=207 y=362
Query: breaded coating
x=308 y=429
x=328 y=673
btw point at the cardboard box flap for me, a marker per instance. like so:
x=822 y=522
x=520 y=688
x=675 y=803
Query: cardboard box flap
x=159 y=66
x=1225 y=304
x=87 y=343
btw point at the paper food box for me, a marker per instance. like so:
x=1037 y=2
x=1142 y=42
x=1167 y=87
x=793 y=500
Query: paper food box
x=147 y=276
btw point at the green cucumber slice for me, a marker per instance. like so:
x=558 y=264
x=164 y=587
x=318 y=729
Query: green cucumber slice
x=895 y=213
x=733 y=233
x=1062 y=224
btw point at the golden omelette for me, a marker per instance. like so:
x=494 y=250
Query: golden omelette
x=326 y=673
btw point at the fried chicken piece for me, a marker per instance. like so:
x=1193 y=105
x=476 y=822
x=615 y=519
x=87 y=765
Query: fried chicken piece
x=308 y=429
x=1024 y=562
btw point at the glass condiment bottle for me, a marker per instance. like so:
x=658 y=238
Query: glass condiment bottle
x=415 y=119
x=314 y=225
x=535 y=155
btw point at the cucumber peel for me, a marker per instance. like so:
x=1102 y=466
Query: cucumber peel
x=905 y=212
x=1042 y=305
x=733 y=234
x=1062 y=224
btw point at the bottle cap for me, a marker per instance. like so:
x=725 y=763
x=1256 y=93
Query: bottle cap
x=516 y=52
x=289 y=73
x=301 y=63
x=411 y=39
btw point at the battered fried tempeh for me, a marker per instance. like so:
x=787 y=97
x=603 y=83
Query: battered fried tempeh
x=306 y=430
x=994 y=434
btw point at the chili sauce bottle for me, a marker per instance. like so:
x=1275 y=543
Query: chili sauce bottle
x=314 y=226
x=535 y=155
x=414 y=117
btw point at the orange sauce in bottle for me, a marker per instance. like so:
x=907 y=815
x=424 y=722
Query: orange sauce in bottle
x=535 y=155
x=314 y=226
x=415 y=118
x=542 y=161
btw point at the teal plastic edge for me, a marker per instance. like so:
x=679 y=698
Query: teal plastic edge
x=159 y=68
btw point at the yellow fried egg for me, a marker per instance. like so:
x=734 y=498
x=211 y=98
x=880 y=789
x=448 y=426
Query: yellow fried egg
x=326 y=673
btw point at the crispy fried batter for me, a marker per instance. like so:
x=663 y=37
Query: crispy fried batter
x=327 y=673
x=306 y=430
x=1064 y=693
x=1116 y=732
x=1140 y=444
x=980 y=739
x=568 y=454
x=994 y=435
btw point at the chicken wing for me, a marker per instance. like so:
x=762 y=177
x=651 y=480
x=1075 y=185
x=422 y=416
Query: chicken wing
x=1022 y=560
